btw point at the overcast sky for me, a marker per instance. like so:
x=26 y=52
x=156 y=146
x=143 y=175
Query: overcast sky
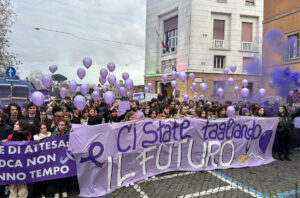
x=118 y=20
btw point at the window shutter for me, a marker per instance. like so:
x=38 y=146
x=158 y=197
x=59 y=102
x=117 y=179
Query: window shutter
x=171 y=24
x=219 y=27
x=247 y=32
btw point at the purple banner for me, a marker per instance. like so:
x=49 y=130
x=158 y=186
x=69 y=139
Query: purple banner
x=110 y=156
x=32 y=161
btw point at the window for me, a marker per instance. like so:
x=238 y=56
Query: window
x=170 y=34
x=246 y=36
x=293 y=46
x=246 y=61
x=167 y=66
x=219 y=62
x=217 y=85
x=219 y=27
x=219 y=34
x=249 y=2
x=20 y=91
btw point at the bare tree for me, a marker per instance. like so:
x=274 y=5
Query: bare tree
x=7 y=16
x=36 y=74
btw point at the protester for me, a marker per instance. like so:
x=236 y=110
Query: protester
x=20 y=133
x=14 y=114
x=129 y=116
x=201 y=113
x=153 y=113
x=40 y=187
x=260 y=112
x=60 y=185
x=284 y=131
x=135 y=108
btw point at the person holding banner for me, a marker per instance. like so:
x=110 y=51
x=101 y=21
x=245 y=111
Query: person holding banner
x=5 y=130
x=153 y=113
x=201 y=113
x=20 y=133
x=14 y=114
x=60 y=185
x=165 y=111
x=40 y=187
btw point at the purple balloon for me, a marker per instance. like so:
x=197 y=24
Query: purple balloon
x=146 y=90
x=245 y=83
x=79 y=102
x=236 y=89
x=128 y=93
x=128 y=84
x=63 y=92
x=245 y=92
x=52 y=68
x=122 y=91
x=174 y=74
x=109 y=97
x=164 y=79
x=37 y=82
x=202 y=97
x=104 y=88
x=84 y=89
x=195 y=97
x=291 y=93
x=203 y=87
x=182 y=76
x=103 y=73
x=233 y=68
x=177 y=74
x=125 y=75
x=264 y=140
x=220 y=92
x=95 y=95
x=194 y=85
x=192 y=89
x=150 y=86
x=47 y=81
x=174 y=84
x=87 y=62
x=81 y=73
x=262 y=92
x=111 y=66
x=102 y=80
x=271 y=84
x=37 y=98
x=277 y=100
x=112 y=79
x=96 y=89
x=72 y=86
x=226 y=71
x=118 y=84
x=192 y=76
x=186 y=97
x=230 y=112
x=230 y=81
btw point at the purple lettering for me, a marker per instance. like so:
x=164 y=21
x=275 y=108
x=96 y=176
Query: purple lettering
x=149 y=142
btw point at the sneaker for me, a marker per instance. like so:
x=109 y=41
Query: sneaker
x=64 y=194
x=56 y=195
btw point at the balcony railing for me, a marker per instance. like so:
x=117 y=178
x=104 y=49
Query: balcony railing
x=218 y=44
x=246 y=46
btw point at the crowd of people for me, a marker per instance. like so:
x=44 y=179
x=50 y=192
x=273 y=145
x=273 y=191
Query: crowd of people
x=56 y=118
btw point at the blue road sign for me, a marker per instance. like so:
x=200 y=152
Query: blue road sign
x=10 y=72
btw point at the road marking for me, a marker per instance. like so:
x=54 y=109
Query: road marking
x=139 y=190
x=287 y=193
x=208 y=192
x=238 y=185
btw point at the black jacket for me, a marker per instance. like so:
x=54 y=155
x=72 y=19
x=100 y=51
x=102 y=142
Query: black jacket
x=5 y=131
x=11 y=123
x=285 y=126
x=95 y=120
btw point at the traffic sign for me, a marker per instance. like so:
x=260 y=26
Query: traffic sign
x=10 y=72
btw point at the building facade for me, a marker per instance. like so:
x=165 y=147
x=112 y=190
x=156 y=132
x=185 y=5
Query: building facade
x=284 y=16
x=202 y=37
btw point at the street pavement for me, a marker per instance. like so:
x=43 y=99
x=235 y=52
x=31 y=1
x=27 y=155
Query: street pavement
x=278 y=179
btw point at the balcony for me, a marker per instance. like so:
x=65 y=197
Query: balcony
x=218 y=44
x=246 y=46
